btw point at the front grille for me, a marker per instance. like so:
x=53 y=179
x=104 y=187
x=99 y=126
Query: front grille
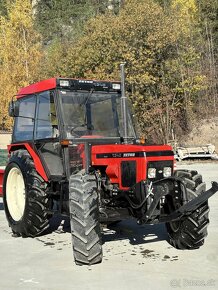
x=128 y=173
x=159 y=165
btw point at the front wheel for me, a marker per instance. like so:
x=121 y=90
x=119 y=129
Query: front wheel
x=24 y=196
x=190 y=231
x=84 y=216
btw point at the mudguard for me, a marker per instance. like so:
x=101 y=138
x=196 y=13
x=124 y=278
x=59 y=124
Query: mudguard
x=36 y=159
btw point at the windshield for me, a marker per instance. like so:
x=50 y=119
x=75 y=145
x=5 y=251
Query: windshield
x=92 y=113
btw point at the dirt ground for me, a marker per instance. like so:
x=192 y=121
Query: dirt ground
x=204 y=132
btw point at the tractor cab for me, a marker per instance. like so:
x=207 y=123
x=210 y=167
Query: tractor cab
x=58 y=112
x=68 y=108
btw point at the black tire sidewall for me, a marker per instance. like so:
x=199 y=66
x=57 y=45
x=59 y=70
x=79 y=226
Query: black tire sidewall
x=181 y=235
x=25 y=168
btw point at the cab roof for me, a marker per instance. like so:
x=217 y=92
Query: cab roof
x=71 y=84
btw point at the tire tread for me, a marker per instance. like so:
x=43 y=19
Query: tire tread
x=85 y=225
x=192 y=230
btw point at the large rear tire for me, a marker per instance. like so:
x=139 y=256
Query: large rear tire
x=24 y=196
x=84 y=216
x=190 y=231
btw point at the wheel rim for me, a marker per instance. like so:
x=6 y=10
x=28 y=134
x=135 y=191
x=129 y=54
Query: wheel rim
x=15 y=193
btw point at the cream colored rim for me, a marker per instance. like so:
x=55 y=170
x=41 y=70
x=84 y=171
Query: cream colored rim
x=15 y=193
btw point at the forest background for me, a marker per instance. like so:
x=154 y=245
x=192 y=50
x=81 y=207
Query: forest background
x=170 y=48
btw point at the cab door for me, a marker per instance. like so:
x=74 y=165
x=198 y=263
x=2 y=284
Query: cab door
x=46 y=135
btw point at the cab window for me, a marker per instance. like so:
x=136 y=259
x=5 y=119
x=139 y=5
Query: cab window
x=46 y=120
x=24 y=124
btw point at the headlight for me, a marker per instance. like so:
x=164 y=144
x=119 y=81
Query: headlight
x=116 y=86
x=151 y=172
x=64 y=83
x=167 y=171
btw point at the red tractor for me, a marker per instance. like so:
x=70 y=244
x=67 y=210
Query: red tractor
x=74 y=151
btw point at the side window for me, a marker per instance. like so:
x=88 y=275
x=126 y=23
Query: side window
x=24 y=124
x=46 y=121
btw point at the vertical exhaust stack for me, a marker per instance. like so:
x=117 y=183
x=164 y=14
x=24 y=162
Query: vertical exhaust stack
x=124 y=103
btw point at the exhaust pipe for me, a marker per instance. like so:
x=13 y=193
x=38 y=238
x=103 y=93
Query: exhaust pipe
x=124 y=103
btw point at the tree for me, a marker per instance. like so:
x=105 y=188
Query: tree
x=20 y=53
x=154 y=48
x=186 y=66
x=3 y=10
x=65 y=19
x=208 y=13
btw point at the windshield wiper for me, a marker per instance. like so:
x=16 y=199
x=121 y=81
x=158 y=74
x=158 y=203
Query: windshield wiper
x=72 y=130
x=88 y=97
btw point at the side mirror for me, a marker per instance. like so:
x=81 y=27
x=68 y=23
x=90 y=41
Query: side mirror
x=13 y=109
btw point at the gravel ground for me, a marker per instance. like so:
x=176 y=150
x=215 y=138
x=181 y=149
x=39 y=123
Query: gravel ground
x=135 y=257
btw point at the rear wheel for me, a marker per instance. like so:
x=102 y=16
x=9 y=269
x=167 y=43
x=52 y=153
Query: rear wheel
x=190 y=231
x=84 y=216
x=24 y=196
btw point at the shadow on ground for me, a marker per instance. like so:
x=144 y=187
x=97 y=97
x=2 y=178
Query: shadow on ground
x=124 y=230
x=1 y=206
x=134 y=233
x=58 y=223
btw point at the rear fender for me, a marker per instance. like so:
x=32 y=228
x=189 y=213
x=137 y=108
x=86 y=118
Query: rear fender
x=36 y=159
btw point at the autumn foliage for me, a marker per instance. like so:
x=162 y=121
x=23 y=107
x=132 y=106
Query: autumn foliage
x=20 y=53
x=162 y=45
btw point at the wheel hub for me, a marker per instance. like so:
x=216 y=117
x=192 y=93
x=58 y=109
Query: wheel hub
x=15 y=193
